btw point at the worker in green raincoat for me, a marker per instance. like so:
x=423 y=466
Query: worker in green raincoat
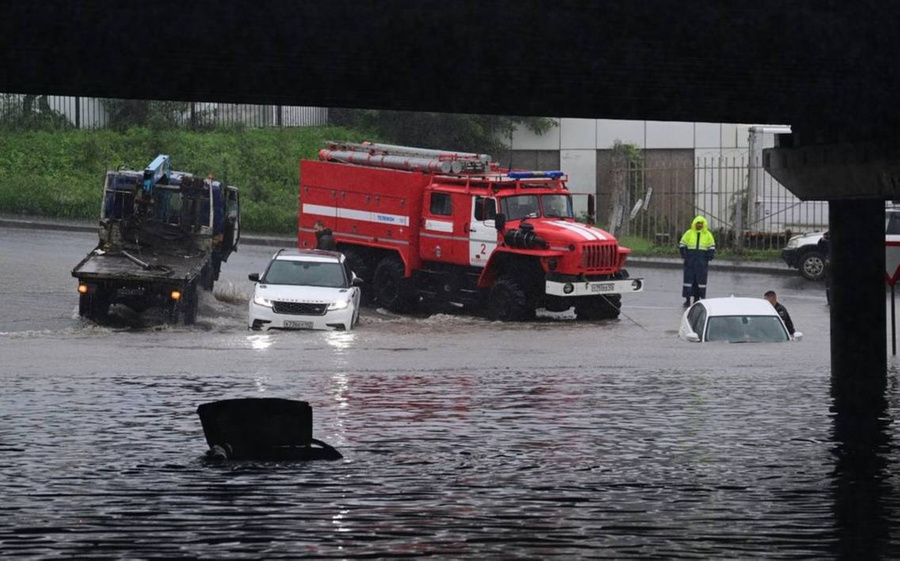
x=697 y=247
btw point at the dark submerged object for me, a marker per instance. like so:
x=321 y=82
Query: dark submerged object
x=262 y=429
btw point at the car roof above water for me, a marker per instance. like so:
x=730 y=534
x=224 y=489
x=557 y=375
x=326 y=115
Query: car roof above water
x=315 y=255
x=738 y=306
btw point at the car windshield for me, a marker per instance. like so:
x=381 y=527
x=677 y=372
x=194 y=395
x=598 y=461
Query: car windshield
x=305 y=273
x=557 y=206
x=745 y=329
x=526 y=206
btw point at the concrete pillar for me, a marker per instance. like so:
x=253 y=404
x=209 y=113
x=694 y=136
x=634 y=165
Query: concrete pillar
x=858 y=318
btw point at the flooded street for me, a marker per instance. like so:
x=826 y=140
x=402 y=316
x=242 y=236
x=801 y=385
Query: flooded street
x=461 y=437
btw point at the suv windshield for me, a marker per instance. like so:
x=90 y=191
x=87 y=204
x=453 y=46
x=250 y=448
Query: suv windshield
x=745 y=329
x=305 y=273
x=528 y=206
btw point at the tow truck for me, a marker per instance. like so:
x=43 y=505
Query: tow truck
x=164 y=235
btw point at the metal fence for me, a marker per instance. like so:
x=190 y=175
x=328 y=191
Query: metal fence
x=745 y=206
x=48 y=112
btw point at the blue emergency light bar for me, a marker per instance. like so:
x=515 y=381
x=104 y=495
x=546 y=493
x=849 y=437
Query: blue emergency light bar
x=535 y=174
x=157 y=169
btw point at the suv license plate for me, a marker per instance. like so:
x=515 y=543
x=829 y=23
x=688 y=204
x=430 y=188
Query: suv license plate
x=298 y=324
x=603 y=287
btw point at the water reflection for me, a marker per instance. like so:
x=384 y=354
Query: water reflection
x=340 y=385
x=340 y=340
x=860 y=486
x=260 y=342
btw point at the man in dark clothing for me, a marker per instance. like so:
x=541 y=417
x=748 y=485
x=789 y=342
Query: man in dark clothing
x=782 y=311
x=824 y=246
x=324 y=237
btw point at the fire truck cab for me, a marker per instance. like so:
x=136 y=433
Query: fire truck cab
x=449 y=226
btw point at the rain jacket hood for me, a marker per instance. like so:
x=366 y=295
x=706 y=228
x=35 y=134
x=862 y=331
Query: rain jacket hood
x=705 y=241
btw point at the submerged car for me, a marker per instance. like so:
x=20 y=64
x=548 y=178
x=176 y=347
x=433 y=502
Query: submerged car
x=308 y=289
x=735 y=320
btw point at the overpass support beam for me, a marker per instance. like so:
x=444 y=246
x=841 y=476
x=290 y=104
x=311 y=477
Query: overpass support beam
x=858 y=317
x=856 y=178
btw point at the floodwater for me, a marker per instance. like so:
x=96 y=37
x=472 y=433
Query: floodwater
x=461 y=437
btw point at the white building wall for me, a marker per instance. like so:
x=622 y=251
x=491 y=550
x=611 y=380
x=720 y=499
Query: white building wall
x=664 y=134
x=581 y=166
x=524 y=139
x=721 y=150
x=578 y=134
x=707 y=136
x=626 y=132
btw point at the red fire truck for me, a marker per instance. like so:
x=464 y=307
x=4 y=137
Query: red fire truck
x=451 y=226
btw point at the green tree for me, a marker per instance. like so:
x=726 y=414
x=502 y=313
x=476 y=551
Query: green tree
x=30 y=112
x=126 y=113
x=446 y=131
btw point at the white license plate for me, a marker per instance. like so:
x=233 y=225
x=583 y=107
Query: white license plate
x=298 y=324
x=603 y=287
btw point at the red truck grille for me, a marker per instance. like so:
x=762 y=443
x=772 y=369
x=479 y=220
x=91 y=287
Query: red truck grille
x=600 y=256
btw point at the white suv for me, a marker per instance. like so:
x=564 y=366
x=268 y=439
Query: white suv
x=308 y=289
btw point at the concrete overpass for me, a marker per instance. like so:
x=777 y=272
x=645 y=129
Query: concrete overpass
x=827 y=67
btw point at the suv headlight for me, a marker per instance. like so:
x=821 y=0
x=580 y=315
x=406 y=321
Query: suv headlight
x=260 y=301
x=338 y=304
x=792 y=243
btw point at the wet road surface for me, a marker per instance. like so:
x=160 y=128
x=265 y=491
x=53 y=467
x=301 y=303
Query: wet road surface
x=461 y=437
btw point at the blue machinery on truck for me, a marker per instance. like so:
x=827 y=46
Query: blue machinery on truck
x=158 y=169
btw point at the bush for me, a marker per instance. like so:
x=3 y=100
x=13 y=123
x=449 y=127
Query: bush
x=60 y=174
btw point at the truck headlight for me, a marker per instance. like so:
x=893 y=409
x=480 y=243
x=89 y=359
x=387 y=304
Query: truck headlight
x=260 y=301
x=636 y=284
x=339 y=304
x=568 y=288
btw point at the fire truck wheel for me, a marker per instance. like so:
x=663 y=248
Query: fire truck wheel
x=599 y=307
x=509 y=301
x=392 y=289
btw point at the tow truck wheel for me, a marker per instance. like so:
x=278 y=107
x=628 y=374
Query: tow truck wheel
x=93 y=305
x=598 y=307
x=84 y=305
x=392 y=289
x=509 y=301
x=207 y=278
x=189 y=305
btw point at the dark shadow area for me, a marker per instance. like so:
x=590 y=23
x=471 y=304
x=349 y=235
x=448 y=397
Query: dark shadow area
x=861 y=486
x=765 y=62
